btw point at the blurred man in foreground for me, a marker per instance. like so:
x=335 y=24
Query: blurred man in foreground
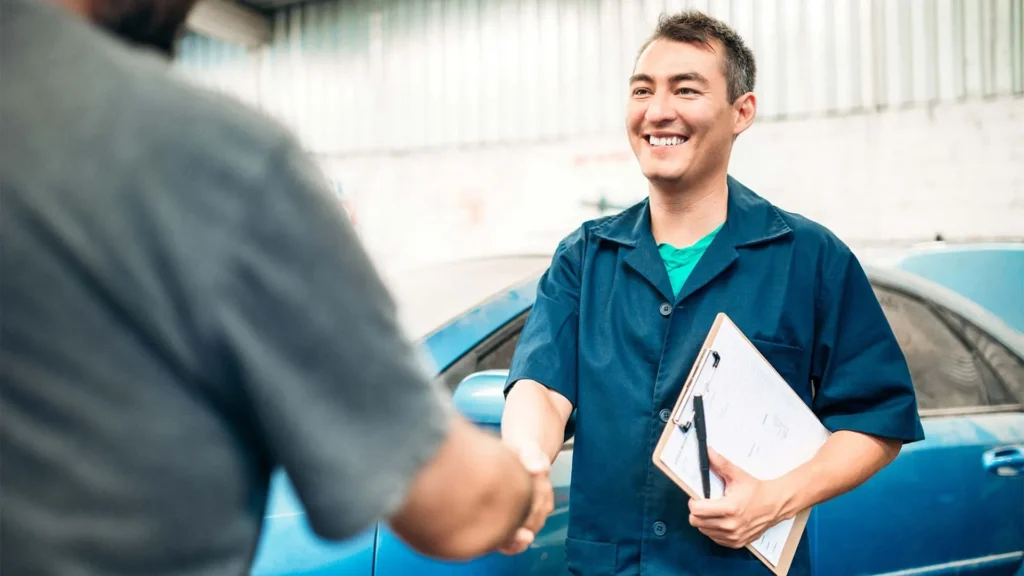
x=184 y=309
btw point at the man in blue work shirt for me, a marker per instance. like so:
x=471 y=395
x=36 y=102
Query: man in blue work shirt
x=628 y=300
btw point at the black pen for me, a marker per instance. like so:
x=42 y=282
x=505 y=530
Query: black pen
x=702 y=444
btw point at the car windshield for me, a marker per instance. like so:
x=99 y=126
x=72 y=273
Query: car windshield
x=430 y=296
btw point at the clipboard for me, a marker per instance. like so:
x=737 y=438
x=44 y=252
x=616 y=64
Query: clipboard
x=728 y=367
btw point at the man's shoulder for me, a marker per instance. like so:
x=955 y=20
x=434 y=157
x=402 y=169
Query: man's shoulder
x=148 y=125
x=182 y=118
x=196 y=141
x=602 y=226
x=171 y=116
x=811 y=236
x=100 y=86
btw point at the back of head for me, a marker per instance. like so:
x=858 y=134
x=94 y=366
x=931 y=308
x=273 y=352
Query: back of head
x=155 y=24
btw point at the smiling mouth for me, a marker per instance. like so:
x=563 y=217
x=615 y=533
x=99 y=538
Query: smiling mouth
x=664 y=141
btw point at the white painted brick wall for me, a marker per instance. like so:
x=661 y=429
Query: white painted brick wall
x=876 y=179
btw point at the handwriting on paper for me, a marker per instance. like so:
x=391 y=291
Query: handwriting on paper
x=753 y=419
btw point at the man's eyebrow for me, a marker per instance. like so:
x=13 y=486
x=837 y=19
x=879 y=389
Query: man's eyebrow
x=684 y=77
x=689 y=77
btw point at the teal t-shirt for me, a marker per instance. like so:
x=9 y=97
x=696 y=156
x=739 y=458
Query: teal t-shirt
x=681 y=261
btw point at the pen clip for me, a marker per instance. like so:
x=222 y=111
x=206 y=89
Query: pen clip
x=677 y=419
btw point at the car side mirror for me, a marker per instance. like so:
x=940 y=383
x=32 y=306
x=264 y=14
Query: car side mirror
x=480 y=398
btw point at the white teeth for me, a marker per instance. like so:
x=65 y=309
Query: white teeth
x=668 y=141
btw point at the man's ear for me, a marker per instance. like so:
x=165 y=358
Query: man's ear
x=744 y=110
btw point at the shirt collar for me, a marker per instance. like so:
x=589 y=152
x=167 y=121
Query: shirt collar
x=751 y=220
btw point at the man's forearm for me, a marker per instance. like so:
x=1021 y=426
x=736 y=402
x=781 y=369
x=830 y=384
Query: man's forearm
x=469 y=499
x=844 y=462
x=532 y=417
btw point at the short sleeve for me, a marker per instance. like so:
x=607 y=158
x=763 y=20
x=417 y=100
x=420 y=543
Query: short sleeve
x=864 y=381
x=341 y=398
x=546 y=351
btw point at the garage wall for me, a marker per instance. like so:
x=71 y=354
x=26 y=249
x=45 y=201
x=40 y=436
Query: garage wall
x=223 y=66
x=366 y=76
x=878 y=180
x=455 y=127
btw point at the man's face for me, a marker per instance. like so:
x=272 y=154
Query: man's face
x=679 y=119
x=151 y=23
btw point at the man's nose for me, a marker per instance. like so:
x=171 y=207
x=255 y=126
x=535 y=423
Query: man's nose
x=659 y=110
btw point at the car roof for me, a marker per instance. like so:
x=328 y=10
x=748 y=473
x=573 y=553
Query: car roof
x=894 y=255
x=432 y=295
x=947 y=246
x=989 y=273
x=962 y=306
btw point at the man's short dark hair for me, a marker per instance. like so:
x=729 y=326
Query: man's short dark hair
x=695 y=27
x=156 y=24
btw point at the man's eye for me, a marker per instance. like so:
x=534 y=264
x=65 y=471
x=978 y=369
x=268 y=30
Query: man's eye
x=641 y=91
x=688 y=91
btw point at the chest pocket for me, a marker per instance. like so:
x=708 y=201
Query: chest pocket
x=787 y=361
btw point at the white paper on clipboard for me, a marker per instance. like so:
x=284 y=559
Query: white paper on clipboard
x=753 y=418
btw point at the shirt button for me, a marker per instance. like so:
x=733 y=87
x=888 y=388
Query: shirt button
x=659 y=528
x=664 y=414
x=665 y=309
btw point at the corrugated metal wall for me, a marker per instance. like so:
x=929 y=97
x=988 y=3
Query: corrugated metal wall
x=375 y=75
x=223 y=66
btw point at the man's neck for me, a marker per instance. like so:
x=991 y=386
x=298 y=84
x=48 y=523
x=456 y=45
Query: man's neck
x=682 y=216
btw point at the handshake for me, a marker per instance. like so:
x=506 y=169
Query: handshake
x=477 y=495
x=480 y=494
x=542 y=503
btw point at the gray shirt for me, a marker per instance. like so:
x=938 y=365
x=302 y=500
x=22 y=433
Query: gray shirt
x=184 y=308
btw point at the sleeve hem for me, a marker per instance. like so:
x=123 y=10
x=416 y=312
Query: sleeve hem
x=342 y=519
x=905 y=433
x=542 y=379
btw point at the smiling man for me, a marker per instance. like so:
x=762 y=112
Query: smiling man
x=628 y=300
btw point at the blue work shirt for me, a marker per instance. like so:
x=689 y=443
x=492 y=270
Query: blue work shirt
x=607 y=332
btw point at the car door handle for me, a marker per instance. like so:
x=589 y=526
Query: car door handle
x=1005 y=461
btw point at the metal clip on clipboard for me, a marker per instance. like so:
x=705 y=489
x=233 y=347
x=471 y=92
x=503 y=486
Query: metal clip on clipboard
x=687 y=407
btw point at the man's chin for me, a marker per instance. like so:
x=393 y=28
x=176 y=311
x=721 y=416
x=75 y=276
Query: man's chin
x=665 y=178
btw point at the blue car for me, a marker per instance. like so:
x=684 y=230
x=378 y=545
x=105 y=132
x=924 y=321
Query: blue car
x=991 y=274
x=951 y=504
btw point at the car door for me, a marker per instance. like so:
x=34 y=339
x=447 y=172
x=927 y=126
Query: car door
x=1003 y=460
x=546 y=556
x=953 y=503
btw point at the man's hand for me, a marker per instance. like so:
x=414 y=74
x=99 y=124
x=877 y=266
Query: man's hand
x=537 y=463
x=748 y=508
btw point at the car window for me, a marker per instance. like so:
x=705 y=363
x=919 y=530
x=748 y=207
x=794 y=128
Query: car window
x=947 y=374
x=494 y=353
x=499 y=357
x=1007 y=366
x=940 y=352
